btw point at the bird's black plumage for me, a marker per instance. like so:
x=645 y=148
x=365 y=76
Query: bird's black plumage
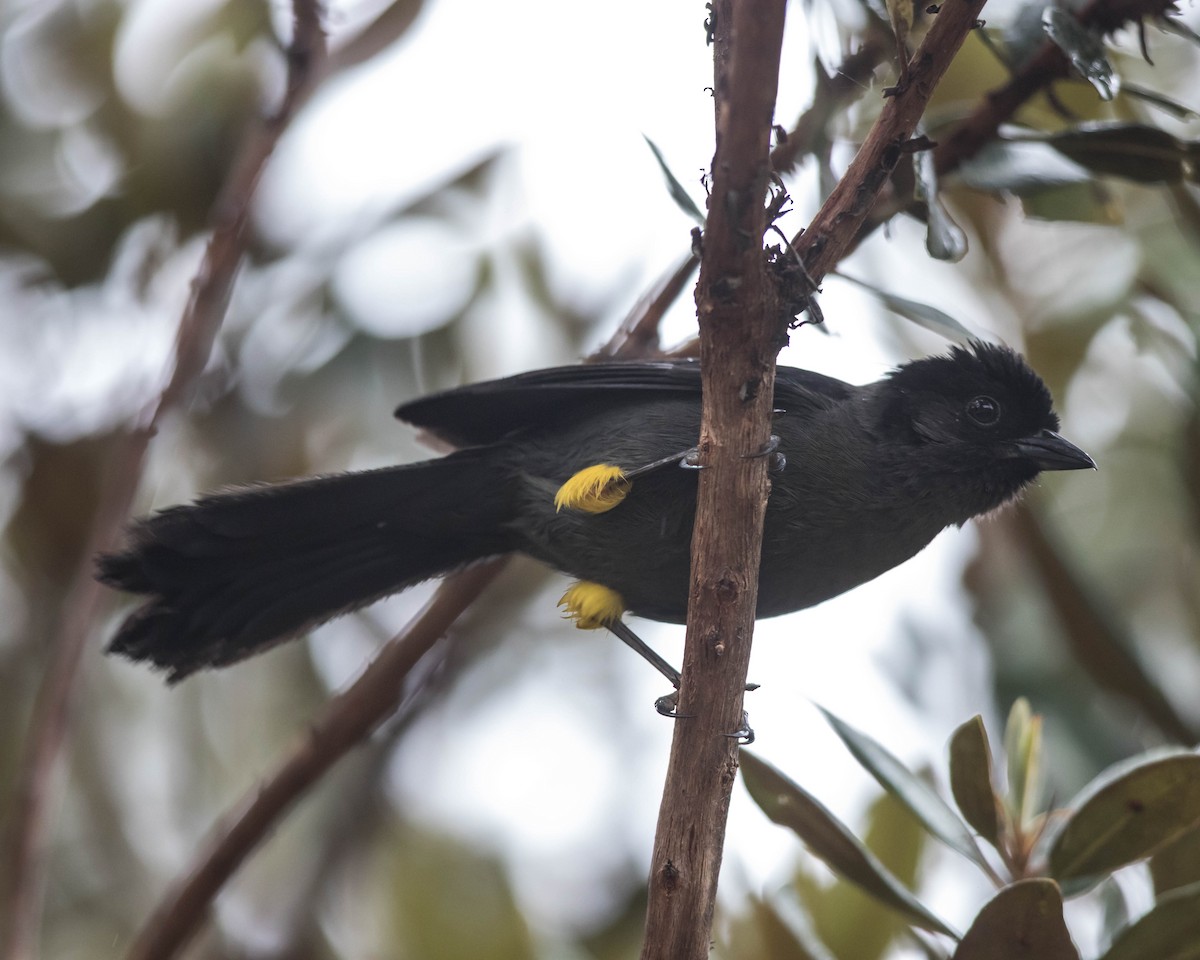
x=872 y=474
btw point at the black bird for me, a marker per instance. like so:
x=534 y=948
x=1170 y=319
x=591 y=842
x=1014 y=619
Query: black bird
x=865 y=477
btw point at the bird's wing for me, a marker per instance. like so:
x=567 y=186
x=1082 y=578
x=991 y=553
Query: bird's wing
x=481 y=413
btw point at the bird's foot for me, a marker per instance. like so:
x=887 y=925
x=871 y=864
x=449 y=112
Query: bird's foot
x=744 y=734
x=770 y=449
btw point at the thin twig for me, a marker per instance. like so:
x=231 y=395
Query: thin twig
x=835 y=229
x=846 y=84
x=22 y=904
x=346 y=721
x=637 y=336
x=1036 y=75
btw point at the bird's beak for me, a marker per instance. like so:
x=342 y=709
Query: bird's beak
x=1049 y=451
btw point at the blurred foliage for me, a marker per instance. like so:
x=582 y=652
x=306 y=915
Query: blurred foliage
x=1077 y=233
x=1142 y=808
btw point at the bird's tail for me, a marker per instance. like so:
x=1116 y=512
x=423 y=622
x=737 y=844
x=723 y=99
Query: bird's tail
x=237 y=572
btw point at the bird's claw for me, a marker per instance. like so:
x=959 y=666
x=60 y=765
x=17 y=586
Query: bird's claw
x=744 y=734
x=668 y=705
x=770 y=449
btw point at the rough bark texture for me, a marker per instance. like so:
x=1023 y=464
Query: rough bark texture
x=740 y=333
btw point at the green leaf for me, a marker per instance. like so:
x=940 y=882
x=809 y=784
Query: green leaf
x=789 y=931
x=828 y=839
x=944 y=239
x=1021 y=167
x=1078 y=203
x=1177 y=864
x=1083 y=48
x=1133 y=151
x=682 y=198
x=1173 y=107
x=1023 y=748
x=850 y=921
x=930 y=809
x=1170 y=931
x=971 y=779
x=1127 y=813
x=1115 y=916
x=1024 y=920
x=922 y=314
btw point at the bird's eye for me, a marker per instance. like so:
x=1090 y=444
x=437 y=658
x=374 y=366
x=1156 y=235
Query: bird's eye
x=984 y=411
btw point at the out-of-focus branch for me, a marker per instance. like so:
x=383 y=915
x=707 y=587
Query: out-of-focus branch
x=835 y=228
x=741 y=330
x=1048 y=64
x=1096 y=640
x=347 y=720
x=637 y=336
x=22 y=902
x=388 y=26
x=847 y=83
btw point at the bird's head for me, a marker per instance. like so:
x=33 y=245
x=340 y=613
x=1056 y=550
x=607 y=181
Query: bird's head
x=983 y=411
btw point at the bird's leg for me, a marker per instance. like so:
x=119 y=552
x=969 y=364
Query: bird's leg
x=745 y=733
x=683 y=458
x=668 y=705
x=642 y=649
x=593 y=605
x=603 y=486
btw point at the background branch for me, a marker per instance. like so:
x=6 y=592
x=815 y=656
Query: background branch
x=1092 y=631
x=1047 y=65
x=834 y=230
x=202 y=317
x=347 y=720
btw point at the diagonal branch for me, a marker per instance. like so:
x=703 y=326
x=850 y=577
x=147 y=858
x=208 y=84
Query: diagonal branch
x=1047 y=65
x=347 y=720
x=834 y=230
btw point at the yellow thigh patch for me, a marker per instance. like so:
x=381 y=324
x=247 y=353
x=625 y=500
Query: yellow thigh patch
x=594 y=489
x=591 y=605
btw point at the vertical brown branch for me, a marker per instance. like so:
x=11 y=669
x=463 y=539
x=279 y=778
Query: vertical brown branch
x=740 y=333
x=21 y=906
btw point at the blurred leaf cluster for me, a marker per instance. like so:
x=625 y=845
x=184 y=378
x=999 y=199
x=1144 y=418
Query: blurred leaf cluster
x=1146 y=808
x=1075 y=231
